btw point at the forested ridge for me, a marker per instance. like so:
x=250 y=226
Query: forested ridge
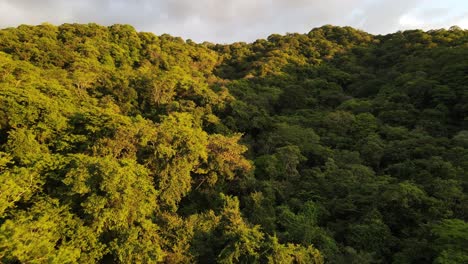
x=335 y=146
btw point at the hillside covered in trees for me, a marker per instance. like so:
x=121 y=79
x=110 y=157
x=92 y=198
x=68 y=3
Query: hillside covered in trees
x=335 y=146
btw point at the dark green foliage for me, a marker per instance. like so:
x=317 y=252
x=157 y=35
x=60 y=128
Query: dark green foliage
x=377 y=121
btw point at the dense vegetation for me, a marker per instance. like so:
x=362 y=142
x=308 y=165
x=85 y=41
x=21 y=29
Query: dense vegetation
x=334 y=146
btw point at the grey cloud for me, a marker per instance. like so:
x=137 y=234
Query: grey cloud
x=213 y=20
x=434 y=12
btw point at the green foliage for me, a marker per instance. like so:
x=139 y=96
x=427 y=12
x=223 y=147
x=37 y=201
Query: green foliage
x=291 y=253
x=118 y=146
x=451 y=241
x=48 y=233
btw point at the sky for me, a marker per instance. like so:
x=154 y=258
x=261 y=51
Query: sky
x=226 y=21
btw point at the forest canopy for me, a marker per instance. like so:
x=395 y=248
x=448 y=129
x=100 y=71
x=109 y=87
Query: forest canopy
x=335 y=146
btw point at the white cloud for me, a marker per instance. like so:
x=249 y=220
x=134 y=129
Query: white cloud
x=231 y=20
x=408 y=21
x=463 y=23
x=434 y=18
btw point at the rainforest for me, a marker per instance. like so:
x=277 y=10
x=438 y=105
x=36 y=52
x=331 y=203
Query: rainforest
x=334 y=146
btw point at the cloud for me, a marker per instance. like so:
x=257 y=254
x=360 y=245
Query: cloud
x=433 y=19
x=384 y=16
x=229 y=20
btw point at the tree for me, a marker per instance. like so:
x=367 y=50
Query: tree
x=450 y=241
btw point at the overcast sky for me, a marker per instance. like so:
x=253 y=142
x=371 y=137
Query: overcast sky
x=226 y=21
